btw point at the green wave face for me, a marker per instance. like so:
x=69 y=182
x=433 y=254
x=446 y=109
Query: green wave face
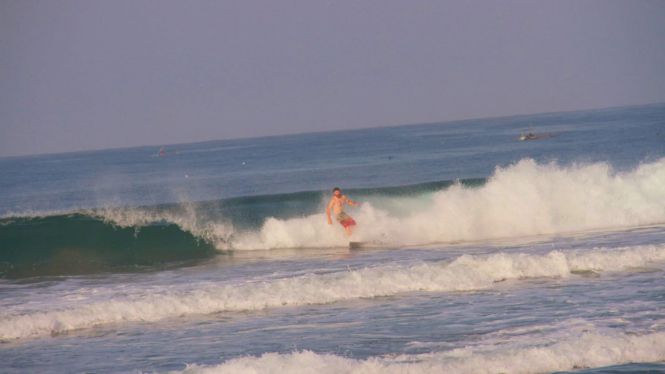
x=77 y=244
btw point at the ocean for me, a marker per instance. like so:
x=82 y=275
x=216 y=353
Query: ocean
x=481 y=253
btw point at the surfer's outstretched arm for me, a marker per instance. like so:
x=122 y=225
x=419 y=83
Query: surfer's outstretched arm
x=350 y=202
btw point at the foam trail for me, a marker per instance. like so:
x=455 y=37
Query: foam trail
x=466 y=273
x=524 y=199
x=588 y=351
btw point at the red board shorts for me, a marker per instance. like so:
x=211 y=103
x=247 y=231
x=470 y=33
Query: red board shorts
x=345 y=220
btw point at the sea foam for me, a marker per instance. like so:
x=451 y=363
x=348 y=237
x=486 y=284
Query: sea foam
x=587 y=351
x=464 y=273
x=524 y=199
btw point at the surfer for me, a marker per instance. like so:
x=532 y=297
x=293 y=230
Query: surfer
x=337 y=205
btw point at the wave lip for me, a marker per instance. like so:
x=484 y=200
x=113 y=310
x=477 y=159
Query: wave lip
x=466 y=273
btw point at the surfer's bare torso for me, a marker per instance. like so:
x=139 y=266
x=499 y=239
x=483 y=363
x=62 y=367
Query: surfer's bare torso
x=338 y=204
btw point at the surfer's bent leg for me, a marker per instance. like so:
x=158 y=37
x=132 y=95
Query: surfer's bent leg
x=346 y=221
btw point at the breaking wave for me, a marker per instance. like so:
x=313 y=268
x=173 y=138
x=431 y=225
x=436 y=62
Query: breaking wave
x=524 y=199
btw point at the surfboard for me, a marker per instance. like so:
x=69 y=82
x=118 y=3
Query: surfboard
x=371 y=244
x=586 y=273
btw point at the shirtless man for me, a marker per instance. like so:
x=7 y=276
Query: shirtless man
x=337 y=204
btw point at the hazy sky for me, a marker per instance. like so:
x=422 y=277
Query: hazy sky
x=82 y=75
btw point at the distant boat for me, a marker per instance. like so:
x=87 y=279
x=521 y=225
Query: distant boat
x=531 y=135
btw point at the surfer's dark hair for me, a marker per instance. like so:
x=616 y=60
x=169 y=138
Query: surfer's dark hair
x=336 y=189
